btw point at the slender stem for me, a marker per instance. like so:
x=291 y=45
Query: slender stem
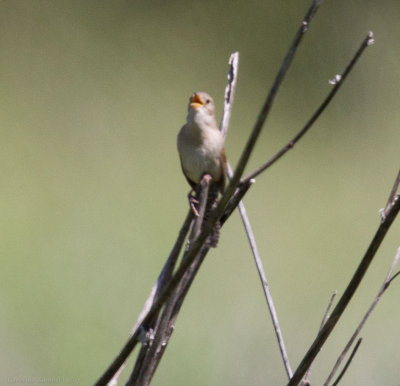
x=218 y=212
x=144 y=371
x=229 y=92
x=391 y=195
x=162 y=279
x=265 y=286
x=383 y=288
x=228 y=102
x=166 y=272
x=347 y=295
x=326 y=315
x=306 y=379
x=348 y=362
x=203 y=195
x=272 y=94
x=340 y=79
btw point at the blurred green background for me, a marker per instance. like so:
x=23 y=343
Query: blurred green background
x=92 y=96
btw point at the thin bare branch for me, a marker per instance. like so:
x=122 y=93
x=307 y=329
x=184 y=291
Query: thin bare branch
x=326 y=315
x=244 y=158
x=393 y=277
x=338 y=83
x=306 y=379
x=167 y=270
x=162 y=279
x=229 y=92
x=348 y=362
x=347 y=295
x=392 y=195
x=145 y=369
x=216 y=214
x=228 y=102
x=202 y=194
x=165 y=292
x=265 y=286
x=384 y=287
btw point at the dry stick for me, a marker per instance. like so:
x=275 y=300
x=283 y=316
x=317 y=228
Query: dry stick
x=267 y=292
x=254 y=136
x=396 y=184
x=271 y=96
x=348 y=362
x=339 y=81
x=229 y=92
x=146 y=369
x=162 y=279
x=326 y=315
x=306 y=379
x=367 y=41
x=166 y=273
x=226 y=115
x=347 y=295
x=143 y=373
x=203 y=194
x=167 y=321
x=228 y=103
x=158 y=302
x=218 y=212
x=384 y=287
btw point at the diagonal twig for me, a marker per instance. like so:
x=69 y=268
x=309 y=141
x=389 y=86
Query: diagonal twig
x=353 y=352
x=392 y=194
x=388 y=279
x=226 y=115
x=162 y=279
x=229 y=92
x=260 y=123
x=348 y=293
x=265 y=286
x=219 y=210
x=337 y=84
x=328 y=309
x=145 y=369
x=306 y=379
x=271 y=97
x=203 y=195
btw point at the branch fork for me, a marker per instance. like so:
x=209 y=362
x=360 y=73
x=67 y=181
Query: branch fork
x=158 y=317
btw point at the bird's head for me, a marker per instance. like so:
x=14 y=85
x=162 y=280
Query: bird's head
x=201 y=109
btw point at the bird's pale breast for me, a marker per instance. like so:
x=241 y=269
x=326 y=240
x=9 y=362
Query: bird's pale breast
x=200 y=153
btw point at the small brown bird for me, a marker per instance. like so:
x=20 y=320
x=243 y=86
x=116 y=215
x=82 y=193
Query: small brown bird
x=201 y=144
x=201 y=150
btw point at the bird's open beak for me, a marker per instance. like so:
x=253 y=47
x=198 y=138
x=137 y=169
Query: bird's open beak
x=196 y=102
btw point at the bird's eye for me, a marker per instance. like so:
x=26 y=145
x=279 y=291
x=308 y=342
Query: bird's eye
x=208 y=101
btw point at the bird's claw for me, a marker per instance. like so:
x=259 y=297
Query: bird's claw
x=192 y=203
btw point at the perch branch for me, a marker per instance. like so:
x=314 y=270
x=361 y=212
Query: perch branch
x=145 y=369
x=167 y=270
x=219 y=210
x=162 y=279
x=202 y=194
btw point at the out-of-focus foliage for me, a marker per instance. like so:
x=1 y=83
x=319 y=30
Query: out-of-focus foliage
x=92 y=96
